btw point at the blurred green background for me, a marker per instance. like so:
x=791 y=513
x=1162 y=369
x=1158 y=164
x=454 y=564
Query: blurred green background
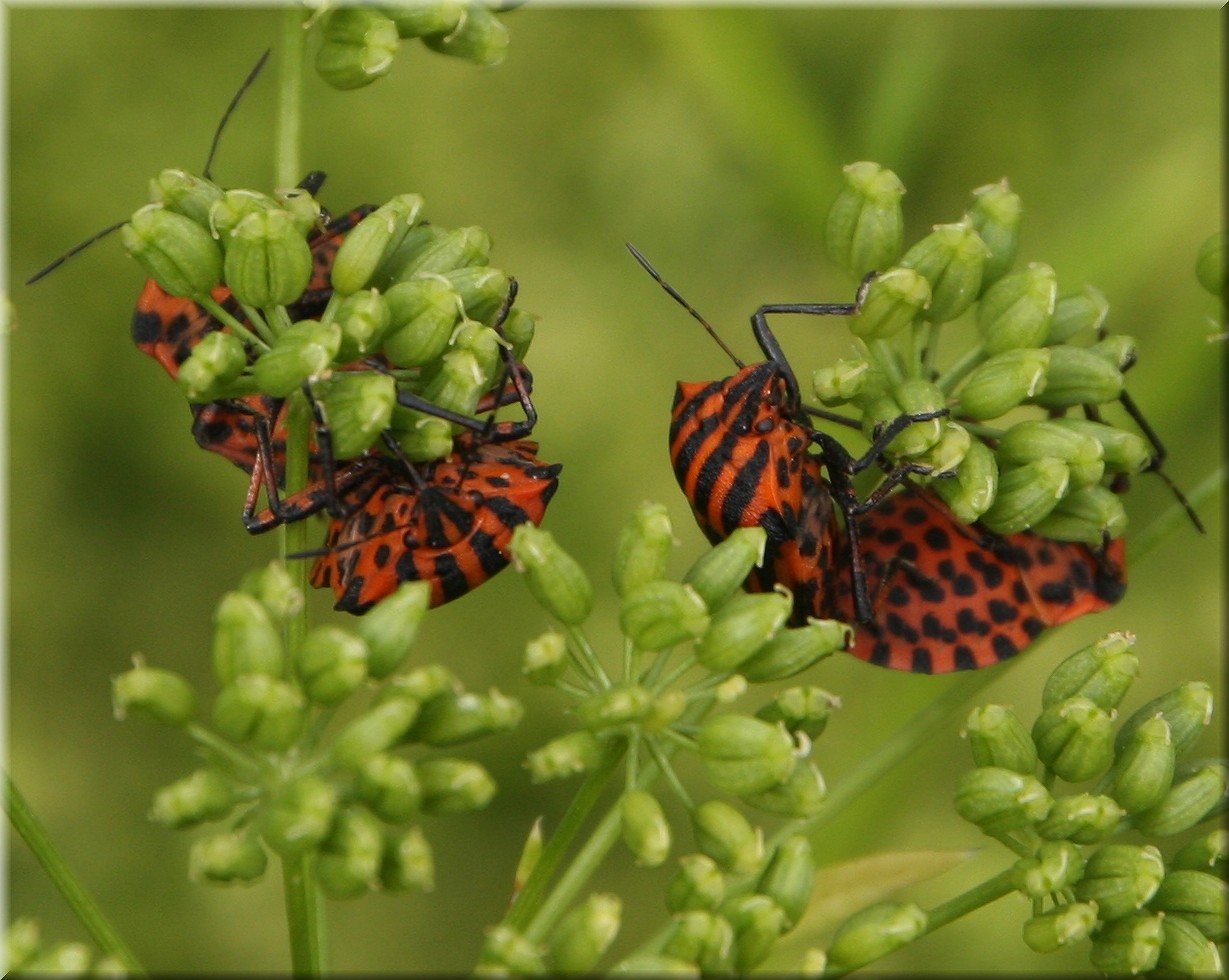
x=712 y=139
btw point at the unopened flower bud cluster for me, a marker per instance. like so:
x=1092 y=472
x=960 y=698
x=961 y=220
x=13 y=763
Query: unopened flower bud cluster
x=26 y=953
x=408 y=312
x=272 y=783
x=1032 y=343
x=1096 y=853
x=693 y=648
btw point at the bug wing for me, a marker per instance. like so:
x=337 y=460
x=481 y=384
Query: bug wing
x=948 y=596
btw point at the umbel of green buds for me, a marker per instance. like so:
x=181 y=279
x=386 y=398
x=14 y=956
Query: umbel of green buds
x=554 y=578
x=176 y=252
x=359 y=45
x=865 y=229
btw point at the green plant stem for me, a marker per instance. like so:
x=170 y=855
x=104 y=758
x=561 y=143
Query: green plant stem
x=66 y=883
x=966 y=363
x=290 y=95
x=304 y=911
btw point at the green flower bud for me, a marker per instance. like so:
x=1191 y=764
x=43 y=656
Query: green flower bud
x=518 y=329
x=745 y=755
x=1128 y=946
x=717 y=574
x=998 y=800
x=482 y=290
x=302 y=352
x=212 y=367
x=204 y=795
x=457 y=384
x=845 y=380
x=624 y=704
x=1002 y=382
x=480 y=37
x=646 y=832
x=971 y=492
x=1187 y=708
x=996 y=218
x=1117 y=349
x=585 y=933
x=1079 y=313
x=758 y=923
x=1037 y=439
x=358 y=47
x=1210 y=264
x=273 y=587
x=174 y=251
x=266 y=712
x=235 y=205
x=374 y=731
x=866 y=227
x=946 y=455
x=792 y=651
x=894 y=300
x=420 y=19
x=802 y=794
x=408 y=862
x=332 y=664
x=1120 y=878
x=915 y=396
x=660 y=614
x=951 y=258
x=1060 y=927
x=388 y=787
x=703 y=938
x=668 y=707
x=298 y=816
x=454 y=248
x=1121 y=451
x=1188 y=802
x=1200 y=898
x=1056 y=866
x=1205 y=853
x=1078 y=376
x=727 y=837
x=554 y=578
x=643 y=548
x=390 y=626
x=420 y=684
x=154 y=694
x=506 y=952
x=268 y=262
x=372 y=241
x=1087 y=514
x=1186 y=951
x=740 y=628
x=567 y=755
x=350 y=857
x=463 y=717
x=874 y=932
x=363 y=318
x=233 y=857
x=1143 y=771
x=1015 y=312
x=245 y=640
x=698 y=885
x=304 y=210
x=423 y=313
x=1026 y=494
x=1101 y=672
x=454 y=785
x=801 y=709
x=789 y=878
x=1075 y=739
x=186 y=194
x=420 y=438
x=998 y=738
x=546 y=658
x=1082 y=819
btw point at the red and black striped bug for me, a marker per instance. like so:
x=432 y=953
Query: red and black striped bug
x=925 y=592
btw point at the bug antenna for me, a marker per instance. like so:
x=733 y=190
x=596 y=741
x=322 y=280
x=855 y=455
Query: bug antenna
x=677 y=297
x=217 y=136
x=73 y=251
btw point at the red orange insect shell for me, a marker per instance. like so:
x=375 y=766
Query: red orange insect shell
x=945 y=596
x=452 y=529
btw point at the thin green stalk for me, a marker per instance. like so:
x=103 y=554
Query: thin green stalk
x=57 y=869
x=966 y=363
x=290 y=97
x=305 y=912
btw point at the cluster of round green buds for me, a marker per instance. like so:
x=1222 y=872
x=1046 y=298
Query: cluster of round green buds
x=270 y=779
x=1140 y=909
x=1031 y=346
x=358 y=44
x=25 y=952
